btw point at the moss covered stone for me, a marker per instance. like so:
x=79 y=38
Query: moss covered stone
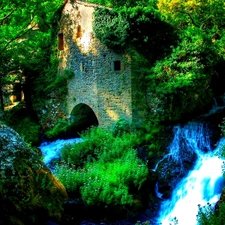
x=29 y=193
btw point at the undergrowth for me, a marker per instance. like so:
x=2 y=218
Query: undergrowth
x=103 y=169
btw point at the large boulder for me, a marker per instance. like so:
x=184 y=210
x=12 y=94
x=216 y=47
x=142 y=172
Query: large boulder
x=29 y=193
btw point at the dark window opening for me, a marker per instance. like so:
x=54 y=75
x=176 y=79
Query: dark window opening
x=61 y=41
x=117 y=65
x=79 y=32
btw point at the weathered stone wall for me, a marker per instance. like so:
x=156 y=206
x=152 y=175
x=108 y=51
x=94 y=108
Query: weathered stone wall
x=102 y=78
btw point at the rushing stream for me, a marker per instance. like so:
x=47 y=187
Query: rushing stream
x=51 y=150
x=203 y=184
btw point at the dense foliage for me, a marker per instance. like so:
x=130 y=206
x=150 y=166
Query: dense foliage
x=103 y=169
x=125 y=27
x=29 y=61
x=177 y=49
x=183 y=43
x=25 y=28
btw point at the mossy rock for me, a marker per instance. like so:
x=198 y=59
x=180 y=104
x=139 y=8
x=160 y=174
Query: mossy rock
x=29 y=192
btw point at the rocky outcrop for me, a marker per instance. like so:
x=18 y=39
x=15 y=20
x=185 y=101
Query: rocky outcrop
x=181 y=157
x=170 y=172
x=29 y=193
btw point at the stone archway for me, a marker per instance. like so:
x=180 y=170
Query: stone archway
x=82 y=117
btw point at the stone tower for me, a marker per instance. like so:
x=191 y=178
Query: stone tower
x=102 y=78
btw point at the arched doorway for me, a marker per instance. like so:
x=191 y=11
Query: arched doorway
x=81 y=118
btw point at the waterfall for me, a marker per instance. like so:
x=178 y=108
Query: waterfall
x=203 y=184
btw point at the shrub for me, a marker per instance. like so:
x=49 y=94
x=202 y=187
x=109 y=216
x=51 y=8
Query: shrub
x=98 y=145
x=28 y=129
x=72 y=179
x=108 y=183
x=121 y=126
x=208 y=216
x=60 y=128
x=23 y=123
x=104 y=169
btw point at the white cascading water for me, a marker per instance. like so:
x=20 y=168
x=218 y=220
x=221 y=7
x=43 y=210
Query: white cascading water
x=51 y=150
x=202 y=185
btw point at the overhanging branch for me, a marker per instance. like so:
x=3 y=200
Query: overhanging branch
x=6 y=16
x=20 y=34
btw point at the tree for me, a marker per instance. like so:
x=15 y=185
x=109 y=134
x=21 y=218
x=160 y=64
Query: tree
x=206 y=15
x=136 y=27
x=203 y=14
x=25 y=28
x=185 y=81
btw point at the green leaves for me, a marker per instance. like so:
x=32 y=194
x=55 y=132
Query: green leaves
x=138 y=27
x=181 y=81
x=111 y=28
x=210 y=215
x=103 y=168
x=25 y=28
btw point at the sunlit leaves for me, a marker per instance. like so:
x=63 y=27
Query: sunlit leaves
x=201 y=13
x=17 y=18
x=26 y=29
x=182 y=79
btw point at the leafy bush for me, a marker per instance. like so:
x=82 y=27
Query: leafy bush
x=125 y=27
x=121 y=126
x=28 y=128
x=111 y=28
x=79 y=153
x=106 y=183
x=98 y=145
x=59 y=129
x=60 y=82
x=207 y=215
x=110 y=182
x=72 y=179
x=180 y=83
x=103 y=169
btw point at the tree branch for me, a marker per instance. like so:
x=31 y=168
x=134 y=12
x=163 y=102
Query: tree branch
x=192 y=20
x=20 y=34
x=5 y=17
x=189 y=15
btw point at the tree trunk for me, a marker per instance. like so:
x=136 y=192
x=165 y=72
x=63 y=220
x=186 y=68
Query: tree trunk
x=1 y=102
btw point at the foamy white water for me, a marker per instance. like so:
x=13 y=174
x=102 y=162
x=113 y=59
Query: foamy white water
x=202 y=185
x=51 y=150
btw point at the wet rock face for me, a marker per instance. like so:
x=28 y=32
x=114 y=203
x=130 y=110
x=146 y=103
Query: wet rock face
x=173 y=168
x=190 y=141
x=29 y=193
